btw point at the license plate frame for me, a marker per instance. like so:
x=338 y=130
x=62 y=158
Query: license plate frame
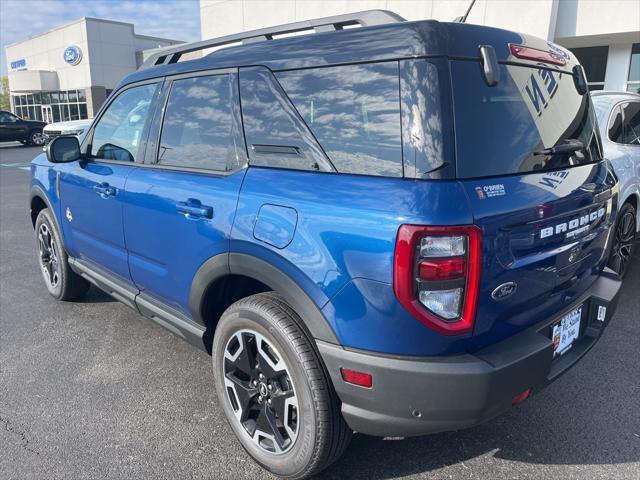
x=566 y=331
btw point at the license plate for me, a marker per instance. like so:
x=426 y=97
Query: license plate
x=566 y=331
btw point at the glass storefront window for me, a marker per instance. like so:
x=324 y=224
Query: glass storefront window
x=55 y=110
x=594 y=62
x=633 y=85
x=73 y=108
x=66 y=106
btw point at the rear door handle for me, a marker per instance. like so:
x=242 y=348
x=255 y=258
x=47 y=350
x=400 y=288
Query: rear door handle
x=104 y=190
x=193 y=208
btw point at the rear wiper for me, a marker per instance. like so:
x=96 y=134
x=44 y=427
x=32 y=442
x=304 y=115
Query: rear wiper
x=569 y=147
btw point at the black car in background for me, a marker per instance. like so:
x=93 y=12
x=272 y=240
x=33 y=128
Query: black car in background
x=15 y=129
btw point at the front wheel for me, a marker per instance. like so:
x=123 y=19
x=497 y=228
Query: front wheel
x=62 y=282
x=623 y=240
x=273 y=388
x=36 y=138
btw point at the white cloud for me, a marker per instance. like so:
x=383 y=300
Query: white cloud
x=175 y=19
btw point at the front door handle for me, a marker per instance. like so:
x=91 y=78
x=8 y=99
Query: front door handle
x=104 y=190
x=193 y=208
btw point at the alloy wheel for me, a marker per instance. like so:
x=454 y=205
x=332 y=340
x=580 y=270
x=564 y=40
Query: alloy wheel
x=261 y=391
x=37 y=138
x=623 y=243
x=48 y=256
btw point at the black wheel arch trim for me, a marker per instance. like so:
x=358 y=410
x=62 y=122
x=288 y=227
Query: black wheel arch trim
x=258 y=269
x=37 y=191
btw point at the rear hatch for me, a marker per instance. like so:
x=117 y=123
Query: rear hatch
x=545 y=213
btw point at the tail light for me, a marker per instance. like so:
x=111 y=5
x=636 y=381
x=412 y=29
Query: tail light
x=437 y=275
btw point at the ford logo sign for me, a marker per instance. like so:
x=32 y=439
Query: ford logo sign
x=505 y=290
x=73 y=55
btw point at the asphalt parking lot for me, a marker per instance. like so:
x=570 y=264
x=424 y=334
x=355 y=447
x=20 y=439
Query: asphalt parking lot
x=92 y=390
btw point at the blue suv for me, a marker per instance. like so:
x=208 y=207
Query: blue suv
x=396 y=229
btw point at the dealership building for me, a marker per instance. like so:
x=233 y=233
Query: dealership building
x=604 y=34
x=68 y=72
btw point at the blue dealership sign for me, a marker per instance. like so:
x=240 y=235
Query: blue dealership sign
x=19 y=64
x=73 y=55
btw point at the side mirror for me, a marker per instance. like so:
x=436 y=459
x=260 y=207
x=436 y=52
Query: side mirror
x=63 y=149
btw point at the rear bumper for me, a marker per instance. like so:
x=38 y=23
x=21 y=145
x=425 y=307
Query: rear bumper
x=417 y=396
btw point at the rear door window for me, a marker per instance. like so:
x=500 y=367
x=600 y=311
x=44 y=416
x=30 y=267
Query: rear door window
x=504 y=129
x=276 y=135
x=354 y=112
x=198 y=128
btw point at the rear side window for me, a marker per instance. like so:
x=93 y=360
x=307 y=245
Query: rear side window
x=504 y=129
x=631 y=123
x=427 y=128
x=118 y=134
x=354 y=112
x=198 y=128
x=615 y=126
x=276 y=135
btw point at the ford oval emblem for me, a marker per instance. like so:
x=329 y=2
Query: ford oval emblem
x=505 y=290
x=72 y=55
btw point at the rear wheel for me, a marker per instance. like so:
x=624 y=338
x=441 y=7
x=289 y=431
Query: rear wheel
x=623 y=240
x=273 y=388
x=61 y=281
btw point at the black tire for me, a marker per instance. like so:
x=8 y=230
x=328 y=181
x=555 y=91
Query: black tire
x=321 y=434
x=36 y=138
x=623 y=240
x=61 y=282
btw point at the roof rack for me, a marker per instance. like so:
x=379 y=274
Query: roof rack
x=366 y=18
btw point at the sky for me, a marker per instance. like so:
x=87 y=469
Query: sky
x=175 y=19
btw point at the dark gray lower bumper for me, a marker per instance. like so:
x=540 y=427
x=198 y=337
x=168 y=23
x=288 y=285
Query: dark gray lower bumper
x=417 y=396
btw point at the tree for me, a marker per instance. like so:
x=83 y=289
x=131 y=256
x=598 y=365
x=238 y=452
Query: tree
x=4 y=94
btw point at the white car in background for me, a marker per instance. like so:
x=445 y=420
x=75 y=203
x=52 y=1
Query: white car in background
x=78 y=128
x=619 y=121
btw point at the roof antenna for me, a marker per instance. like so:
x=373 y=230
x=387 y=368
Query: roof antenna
x=463 y=19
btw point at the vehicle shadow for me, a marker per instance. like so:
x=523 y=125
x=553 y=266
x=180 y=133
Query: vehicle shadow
x=582 y=419
x=95 y=295
x=524 y=437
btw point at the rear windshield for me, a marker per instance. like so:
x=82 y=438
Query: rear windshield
x=505 y=129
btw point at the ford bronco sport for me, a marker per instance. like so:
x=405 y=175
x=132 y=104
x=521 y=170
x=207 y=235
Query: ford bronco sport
x=396 y=229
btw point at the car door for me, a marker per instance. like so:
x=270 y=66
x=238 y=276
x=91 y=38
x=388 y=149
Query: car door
x=179 y=208
x=92 y=188
x=623 y=144
x=12 y=128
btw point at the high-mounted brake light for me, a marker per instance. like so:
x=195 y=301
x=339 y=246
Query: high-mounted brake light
x=528 y=53
x=436 y=275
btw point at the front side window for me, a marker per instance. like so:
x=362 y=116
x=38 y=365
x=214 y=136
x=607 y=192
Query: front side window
x=354 y=112
x=6 y=117
x=118 y=134
x=198 y=129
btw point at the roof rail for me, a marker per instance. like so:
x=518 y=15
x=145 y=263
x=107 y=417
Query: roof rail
x=326 y=24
